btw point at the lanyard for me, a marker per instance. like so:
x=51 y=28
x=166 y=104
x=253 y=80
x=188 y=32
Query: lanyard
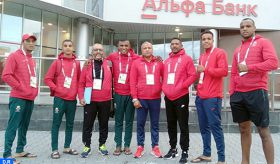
x=247 y=52
x=206 y=63
x=29 y=70
x=176 y=65
x=154 y=67
x=72 y=72
x=93 y=71
x=120 y=63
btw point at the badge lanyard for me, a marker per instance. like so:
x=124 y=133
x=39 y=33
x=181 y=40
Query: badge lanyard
x=206 y=63
x=72 y=72
x=176 y=65
x=120 y=63
x=146 y=68
x=247 y=51
x=28 y=66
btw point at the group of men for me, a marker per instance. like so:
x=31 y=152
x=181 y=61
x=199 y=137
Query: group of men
x=138 y=82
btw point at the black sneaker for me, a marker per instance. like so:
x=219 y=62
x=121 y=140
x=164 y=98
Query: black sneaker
x=184 y=157
x=172 y=153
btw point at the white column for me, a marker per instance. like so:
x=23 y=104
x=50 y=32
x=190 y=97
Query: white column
x=82 y=41
x=215 y=37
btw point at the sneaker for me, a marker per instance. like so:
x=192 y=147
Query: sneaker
x=103 y=150
x=156 y=152
x=184 y=157
x=139 y=152
x=172 y=153
x=86 y=152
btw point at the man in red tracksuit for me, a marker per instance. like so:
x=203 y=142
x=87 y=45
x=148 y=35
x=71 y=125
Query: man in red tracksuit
x=121 y=63
x=62 y=78
x=20 y=73
x=252 y=61
x=213 y=66
x=179 y=74
x=145 y=87
x=97 y=78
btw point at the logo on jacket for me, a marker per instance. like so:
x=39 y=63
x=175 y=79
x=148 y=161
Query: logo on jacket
x=18 y=108
x=56 y=110
x=254 y=44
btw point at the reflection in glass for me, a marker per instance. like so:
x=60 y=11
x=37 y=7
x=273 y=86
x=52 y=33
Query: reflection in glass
x=49 y=29
x=32 y=22
x=64 y=29
x=158 y=44
x=75 y=4
x=95 y=8
x=12 y=22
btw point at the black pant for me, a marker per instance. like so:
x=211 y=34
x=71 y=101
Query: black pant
x=178 y=110
x=102 y=110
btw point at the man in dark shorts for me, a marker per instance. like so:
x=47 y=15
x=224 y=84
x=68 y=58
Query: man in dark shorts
x=252 y=61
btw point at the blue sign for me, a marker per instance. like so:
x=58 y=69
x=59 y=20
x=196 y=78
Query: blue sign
x=6 y=161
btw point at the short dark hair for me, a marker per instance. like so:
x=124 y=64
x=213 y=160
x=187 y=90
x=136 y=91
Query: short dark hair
x=67 y=40
x=249 y=19
x=206 y=32
x=176 y=38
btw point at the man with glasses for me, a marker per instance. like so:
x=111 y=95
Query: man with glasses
x=62 y=78
x=95 y=93
x=20 y=74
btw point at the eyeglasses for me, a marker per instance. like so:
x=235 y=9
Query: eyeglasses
x=98 y=50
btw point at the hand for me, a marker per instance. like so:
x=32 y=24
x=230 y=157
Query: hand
x=87 y=62
x=200 y=68
x=242 y=68
x=137 y=104
x=83 y=102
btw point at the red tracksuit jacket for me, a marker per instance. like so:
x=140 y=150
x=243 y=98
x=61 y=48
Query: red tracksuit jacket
x=55 y=78
x=185 y=75
x=138 y=85
x=261 y=59
x=122 y=89
x=16 y=75
x=86 y=80
x=216 y=69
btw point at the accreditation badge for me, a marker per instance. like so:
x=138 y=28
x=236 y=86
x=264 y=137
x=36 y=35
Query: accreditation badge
x=201 y=77
x=171 y=78
x=97 y=84
x=122 y=78
x=243 y=73
x=67 y=82
x=33 y=81
x=150 y=79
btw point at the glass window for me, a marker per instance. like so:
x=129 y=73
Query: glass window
x=196 y=46
x=45 y=64
x=32 y=22
x=75 y=4
x=186 y=38
x=49 y=29
x=106 y=42
x=64 y=29
x=158 y=45
x=133 y=39
x=12 y=22
x=97 y=35
x=95 y=7
x=142 y=38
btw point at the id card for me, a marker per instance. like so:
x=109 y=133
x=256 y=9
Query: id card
x=171 y=78
x=33 y=81
x=150 y=79
x=201 y=77
x=122 y=78
x=243 y=73
x=97 y=84
x=67 y=82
